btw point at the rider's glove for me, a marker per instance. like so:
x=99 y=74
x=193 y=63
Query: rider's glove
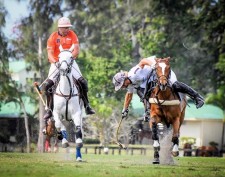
x=125 y=113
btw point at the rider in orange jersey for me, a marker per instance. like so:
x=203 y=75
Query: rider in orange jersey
x=65 y=37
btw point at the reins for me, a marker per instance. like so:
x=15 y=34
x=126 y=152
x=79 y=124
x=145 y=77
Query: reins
x=70 y=95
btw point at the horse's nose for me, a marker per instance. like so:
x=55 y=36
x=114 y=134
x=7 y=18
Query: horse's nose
x=163 y=86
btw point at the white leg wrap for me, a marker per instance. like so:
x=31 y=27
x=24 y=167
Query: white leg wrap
x=156 y=143
x=79 y=143
x=175 y=148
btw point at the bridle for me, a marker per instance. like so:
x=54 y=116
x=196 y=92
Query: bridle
x=162 y=87
x=66 y=72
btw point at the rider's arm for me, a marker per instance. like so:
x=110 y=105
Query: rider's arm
x=51 y=56
x=75 y=41
x=127 y=100
x=76 y=50
x=51 y=47
x=150 y=61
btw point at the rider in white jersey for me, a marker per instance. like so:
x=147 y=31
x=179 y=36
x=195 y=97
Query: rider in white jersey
x=136 y=79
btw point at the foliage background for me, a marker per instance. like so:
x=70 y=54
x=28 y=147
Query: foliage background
x=114 y=35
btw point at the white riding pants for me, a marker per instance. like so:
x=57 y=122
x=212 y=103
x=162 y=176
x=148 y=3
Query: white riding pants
x=53 y=71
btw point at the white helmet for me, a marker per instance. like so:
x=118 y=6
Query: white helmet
x=64 y=22
x=119 y=79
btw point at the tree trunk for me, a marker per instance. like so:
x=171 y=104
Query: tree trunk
x=41 y=107
x=41 y=123
x=26 y=124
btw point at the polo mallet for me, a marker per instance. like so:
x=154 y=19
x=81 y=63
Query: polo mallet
x=38 y=90
x=117 y=132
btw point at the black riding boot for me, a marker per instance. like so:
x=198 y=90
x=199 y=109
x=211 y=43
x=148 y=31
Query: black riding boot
x=183 y=88
x=84 y=89
x=49 y=95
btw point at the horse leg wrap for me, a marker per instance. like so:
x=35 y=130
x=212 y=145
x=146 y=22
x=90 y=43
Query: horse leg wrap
x=154 y=131
x=175 y=150
x=160 y=127
x=78 y=132
x=78 y=153
x=156 y=154
x=59 y=135
x=175 y=140
x=79 y=142
x=64 y=134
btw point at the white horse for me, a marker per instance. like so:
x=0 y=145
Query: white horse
x=67 y=102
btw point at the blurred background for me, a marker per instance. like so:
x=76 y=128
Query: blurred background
x=114 y=35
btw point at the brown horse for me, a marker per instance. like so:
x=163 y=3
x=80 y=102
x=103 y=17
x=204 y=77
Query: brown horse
x=51 y=133
x=207 y=151
x=166 y=108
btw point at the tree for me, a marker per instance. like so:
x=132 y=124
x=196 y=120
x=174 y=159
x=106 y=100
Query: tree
x=5 y=79
x=32 y=32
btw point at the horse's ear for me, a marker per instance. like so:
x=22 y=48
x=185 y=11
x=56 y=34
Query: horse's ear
x=168 y=58
x=60 y=48
x=71 y=48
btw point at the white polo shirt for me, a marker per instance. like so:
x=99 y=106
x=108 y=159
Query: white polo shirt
x=139 y=76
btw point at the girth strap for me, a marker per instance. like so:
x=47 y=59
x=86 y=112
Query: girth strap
x=67 y=95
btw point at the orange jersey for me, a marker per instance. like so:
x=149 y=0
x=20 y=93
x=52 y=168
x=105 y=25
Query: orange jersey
x=56 y=39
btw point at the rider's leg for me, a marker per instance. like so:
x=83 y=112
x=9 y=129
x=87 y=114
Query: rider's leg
x=183 y=88
x=84 y=89
x=53 y=71
x=140 y=93
x=83 y=86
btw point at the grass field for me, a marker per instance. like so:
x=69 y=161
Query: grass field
x=64 y=165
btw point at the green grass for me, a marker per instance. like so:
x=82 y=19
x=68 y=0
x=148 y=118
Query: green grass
x=64 y=165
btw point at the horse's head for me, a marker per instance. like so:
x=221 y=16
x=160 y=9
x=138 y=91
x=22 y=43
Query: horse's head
x=162 y=69
x=65 y=60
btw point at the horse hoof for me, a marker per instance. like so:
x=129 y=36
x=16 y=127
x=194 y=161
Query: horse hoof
x=175 y=153
x=79 y=159
x=59 y=136
x=65 y=145
x=156 y=161
x=55 y=150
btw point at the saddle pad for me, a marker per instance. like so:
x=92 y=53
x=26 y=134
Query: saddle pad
x=164 y=102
